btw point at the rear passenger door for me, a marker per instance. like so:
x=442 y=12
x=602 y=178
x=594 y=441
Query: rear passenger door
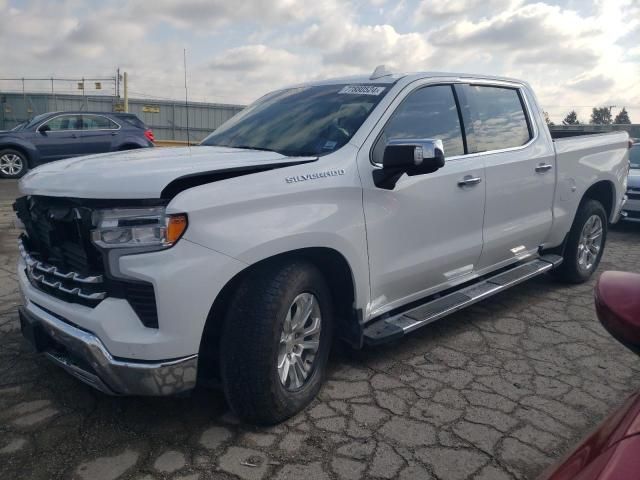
x=519 y=169
x=98 y=133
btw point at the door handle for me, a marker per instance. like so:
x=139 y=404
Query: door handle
x=113 y=134
x=469 y=181
x=543 y=168
x=73 y=135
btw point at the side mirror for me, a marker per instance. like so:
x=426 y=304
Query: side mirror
x=410 y=156
x=617 y=299
x=44 y=128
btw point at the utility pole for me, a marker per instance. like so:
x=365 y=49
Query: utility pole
x=186 y=96
x=53 y=95
x=126 y=93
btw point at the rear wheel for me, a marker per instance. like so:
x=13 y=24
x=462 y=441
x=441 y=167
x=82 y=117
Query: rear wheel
x=13 y=164
x=585 y=243
x=276 y=341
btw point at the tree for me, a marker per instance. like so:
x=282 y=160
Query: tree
x=600 y=116
x=622 y=117
x=571 y=118
x=547 y=119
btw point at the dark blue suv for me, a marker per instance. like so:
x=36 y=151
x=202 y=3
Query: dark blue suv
x=54 y=136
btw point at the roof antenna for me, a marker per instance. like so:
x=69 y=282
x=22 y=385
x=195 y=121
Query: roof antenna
x=380 y=71
x=186 y=95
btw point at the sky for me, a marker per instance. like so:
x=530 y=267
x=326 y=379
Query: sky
x=576 y=54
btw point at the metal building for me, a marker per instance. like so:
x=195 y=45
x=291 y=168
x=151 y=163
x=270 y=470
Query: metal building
x=167 y=118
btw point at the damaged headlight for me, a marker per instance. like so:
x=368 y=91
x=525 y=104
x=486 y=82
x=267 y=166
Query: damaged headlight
x=137 y=227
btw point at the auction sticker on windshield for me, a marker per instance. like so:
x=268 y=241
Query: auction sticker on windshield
x=362 y=90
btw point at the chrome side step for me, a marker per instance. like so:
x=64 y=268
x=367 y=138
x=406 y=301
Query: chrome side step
x=398 y=325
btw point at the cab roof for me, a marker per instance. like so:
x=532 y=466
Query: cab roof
x=391 y=78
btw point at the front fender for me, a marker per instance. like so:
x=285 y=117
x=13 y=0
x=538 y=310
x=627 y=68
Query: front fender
x=33 y=156
x=255 y=217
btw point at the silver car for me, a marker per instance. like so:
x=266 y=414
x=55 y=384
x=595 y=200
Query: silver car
x=632 y=207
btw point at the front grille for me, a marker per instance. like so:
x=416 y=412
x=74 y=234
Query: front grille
x=633 y=195
x=633 y=214
x=58 y=233
x=63 y=262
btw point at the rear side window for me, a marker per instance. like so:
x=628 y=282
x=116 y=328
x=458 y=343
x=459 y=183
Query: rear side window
x=427 y=113
x=132 y=120
x=97 y=122
x=498 y=119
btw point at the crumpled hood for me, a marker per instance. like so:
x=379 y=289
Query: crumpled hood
x=143 y=173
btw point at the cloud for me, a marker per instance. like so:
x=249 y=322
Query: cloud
x=237 y=51
x=429 y=10
x=592 y=84
x=518 y=29
x=567 y=56
x=249 y=59
x=362 y=47
x=213 y=13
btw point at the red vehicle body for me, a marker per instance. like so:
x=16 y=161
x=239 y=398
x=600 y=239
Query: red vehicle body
x=612 y=451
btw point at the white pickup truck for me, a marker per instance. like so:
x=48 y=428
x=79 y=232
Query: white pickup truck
x=359 y=208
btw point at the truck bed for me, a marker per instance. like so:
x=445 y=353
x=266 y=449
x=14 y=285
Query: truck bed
x=557 y=134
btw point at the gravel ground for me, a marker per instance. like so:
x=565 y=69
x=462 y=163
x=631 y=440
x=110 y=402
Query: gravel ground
x=498 y=391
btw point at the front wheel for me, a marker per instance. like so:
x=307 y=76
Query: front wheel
x=276 y=341
x=585 y=243
x=13 y=164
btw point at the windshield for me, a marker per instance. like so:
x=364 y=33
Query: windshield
x=634 y=156
x=302 y=121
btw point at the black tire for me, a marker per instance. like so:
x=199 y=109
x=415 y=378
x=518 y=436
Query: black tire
x=8 y=161
x=251 y=338
x=571 y=271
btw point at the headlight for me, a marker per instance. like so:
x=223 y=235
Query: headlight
x=137 y=227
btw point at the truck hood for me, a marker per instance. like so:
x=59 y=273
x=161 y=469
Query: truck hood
x=148 y=172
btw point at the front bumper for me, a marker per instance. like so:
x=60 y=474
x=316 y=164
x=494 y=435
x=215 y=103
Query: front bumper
x=85 y=357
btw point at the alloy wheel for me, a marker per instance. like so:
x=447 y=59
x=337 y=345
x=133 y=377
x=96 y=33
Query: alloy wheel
x=299 y=341
x=590 y=242
x=11 y=164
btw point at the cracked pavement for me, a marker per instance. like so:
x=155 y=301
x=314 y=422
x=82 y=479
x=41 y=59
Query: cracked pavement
x=498 y=391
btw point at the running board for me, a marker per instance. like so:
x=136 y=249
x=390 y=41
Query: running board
x=396 y=326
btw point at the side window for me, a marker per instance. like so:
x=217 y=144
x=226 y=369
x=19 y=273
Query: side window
x=429 y=112
x=498 y=119
x=65 y=122
x=97 y=122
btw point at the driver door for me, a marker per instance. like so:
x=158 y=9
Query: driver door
x=425 y=234
x=59 y=137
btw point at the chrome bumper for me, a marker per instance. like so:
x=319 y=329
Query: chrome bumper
x=631 y=209
x=84 y=356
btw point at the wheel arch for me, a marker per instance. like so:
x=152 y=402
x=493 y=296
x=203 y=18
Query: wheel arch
x=340 y=280
x=128 y=146
x=604 y=191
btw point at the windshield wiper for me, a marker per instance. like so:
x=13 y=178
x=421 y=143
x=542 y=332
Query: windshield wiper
x=248 y=147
